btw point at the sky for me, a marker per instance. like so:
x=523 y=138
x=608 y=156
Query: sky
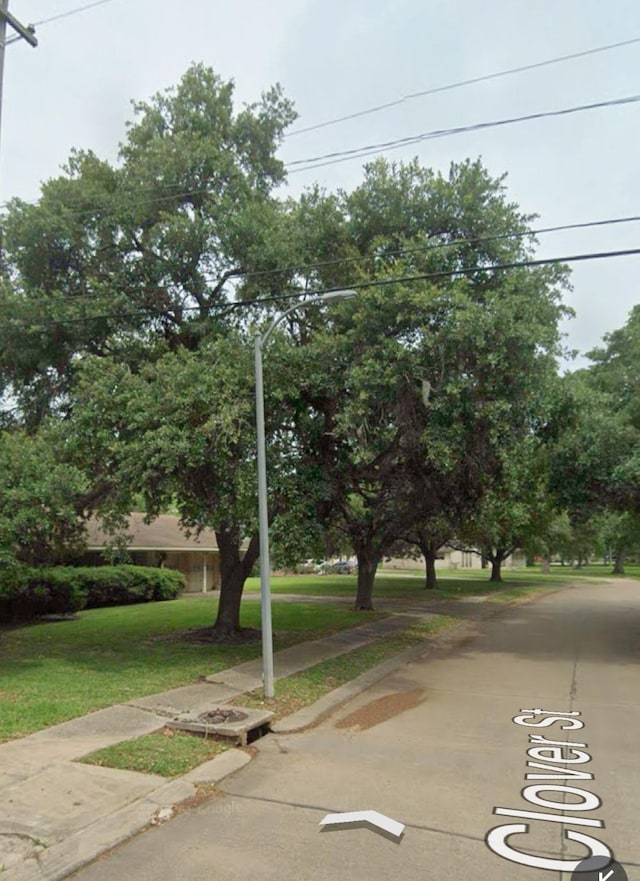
x=338 y=58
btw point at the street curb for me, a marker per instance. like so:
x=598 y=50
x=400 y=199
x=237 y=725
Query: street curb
x=309 y=717
x=217 y=769
x=61 y=860
x=447 y=639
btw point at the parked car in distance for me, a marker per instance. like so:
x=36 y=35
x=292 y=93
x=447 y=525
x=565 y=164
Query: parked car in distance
x=344 y=567
x=322 y=567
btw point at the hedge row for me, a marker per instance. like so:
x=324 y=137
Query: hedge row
x=28 y=593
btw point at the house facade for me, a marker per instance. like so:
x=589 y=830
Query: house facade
x=449 y=558
x=161 y=543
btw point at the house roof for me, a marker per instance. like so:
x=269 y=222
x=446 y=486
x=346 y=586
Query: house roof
x=162 y=534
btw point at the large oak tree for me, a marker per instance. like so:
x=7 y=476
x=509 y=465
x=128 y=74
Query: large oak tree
x=432 y=313
x=118 y=296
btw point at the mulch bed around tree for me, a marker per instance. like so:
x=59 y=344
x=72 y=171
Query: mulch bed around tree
x=208 y=636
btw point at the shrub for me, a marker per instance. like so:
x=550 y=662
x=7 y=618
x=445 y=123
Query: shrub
x=122 y=585
x=27 y=593
x=24 y=594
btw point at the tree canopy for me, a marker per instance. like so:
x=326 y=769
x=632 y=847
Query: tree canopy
x=132 y=290
x=596 y=460
x=484 y=343
x=134 y=259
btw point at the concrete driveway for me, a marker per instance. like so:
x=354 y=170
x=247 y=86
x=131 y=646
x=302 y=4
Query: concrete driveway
x=435 y=747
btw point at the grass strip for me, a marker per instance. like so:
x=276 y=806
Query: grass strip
x=170 y=753
x=512 y=595
x=308 y=686
x=167 y=753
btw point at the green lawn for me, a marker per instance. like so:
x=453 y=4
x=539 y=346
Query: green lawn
x=57 y=671
x=597 y=570
x=387 y=586
x=451 y=583
x=593 y=570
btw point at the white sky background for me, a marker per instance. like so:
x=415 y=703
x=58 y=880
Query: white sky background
x=334 y=58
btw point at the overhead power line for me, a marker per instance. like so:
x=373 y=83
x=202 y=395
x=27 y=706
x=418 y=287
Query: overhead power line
x=71 y=12
x=369 y=149
x=471 y=270
x=407 y=279
x=458 y=85
x=437 y=246
x=401 y=252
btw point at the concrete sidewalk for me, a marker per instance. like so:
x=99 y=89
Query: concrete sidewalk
x=56 y=814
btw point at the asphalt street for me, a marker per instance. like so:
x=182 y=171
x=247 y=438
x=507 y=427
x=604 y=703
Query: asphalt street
x=436 y=748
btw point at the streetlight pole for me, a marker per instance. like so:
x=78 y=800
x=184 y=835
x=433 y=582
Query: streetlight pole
x=22 y=33
x=260 y=341
x=25 y=33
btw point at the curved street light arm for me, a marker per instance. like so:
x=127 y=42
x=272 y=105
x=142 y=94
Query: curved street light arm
x=330 y=297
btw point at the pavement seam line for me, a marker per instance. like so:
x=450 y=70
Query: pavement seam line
x=418 y=826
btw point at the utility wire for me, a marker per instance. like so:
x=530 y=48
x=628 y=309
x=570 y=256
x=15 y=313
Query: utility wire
x=57 y=17
x=407 y=279
x=435 y=246
x=400 y=252
x=478 y=79
x=359 y=152
x=71 y=12
x=470 y=270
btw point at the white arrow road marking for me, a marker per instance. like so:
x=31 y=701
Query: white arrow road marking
x=372 y=818
x=602 y=877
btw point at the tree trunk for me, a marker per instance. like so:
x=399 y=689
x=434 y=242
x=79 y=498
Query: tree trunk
x=431 y=582
x=497 y=559
x=546 y=565
x=234 y=570
x=429 y=548
x=368 y=561
x=618 y=565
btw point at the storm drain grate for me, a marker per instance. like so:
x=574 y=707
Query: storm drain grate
x=242 y=725
x=215 y=717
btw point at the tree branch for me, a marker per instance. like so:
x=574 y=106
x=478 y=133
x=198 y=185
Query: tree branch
x=224 y=278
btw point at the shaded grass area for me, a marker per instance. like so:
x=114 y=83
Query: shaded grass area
x=516 y=593
x=563 y=573
x=52 y=672
x=166 y=753
x=387 y=586
x=410 y=585
x=307 y=686
x=521 y=592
